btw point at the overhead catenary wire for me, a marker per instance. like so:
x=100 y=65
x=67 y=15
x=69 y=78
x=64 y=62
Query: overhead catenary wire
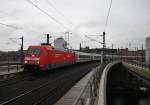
x=20 y=28
x=93 y=39
x=50 y=4
x=10 y=26
x=15 y=27
x=107 y=18
x=47 y=14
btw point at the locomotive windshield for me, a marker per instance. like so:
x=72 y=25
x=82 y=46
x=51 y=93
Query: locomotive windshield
x=33 y=51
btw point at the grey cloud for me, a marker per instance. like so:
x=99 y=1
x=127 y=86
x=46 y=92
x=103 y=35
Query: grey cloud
x=129 y=20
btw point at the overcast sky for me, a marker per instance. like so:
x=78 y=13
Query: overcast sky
x=129 y=22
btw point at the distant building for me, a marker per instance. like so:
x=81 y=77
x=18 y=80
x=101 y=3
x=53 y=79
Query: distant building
x=147 y=48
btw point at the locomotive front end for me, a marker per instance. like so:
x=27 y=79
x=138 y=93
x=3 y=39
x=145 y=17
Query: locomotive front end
x=32 y=58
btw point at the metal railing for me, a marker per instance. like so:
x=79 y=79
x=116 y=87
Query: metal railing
x=89 y=94
x=10 y=67
x=140 y=64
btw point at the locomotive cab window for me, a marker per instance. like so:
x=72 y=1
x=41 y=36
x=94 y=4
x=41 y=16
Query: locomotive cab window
x=33 y=51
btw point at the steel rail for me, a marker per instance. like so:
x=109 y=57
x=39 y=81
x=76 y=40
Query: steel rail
x=50 y=93
x=25 y=93
x=10 y=81
x=30 y=91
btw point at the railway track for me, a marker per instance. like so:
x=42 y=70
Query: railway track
x=47 y=89
x=19 y=77
x=12 y=76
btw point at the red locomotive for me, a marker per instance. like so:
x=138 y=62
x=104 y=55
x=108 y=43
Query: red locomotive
x=45 y=57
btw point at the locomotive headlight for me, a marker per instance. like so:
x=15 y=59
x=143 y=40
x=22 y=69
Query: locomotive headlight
x=33 y=55
x=25 y=61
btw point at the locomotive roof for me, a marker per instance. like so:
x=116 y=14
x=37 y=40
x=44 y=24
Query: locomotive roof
x=41 y=46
